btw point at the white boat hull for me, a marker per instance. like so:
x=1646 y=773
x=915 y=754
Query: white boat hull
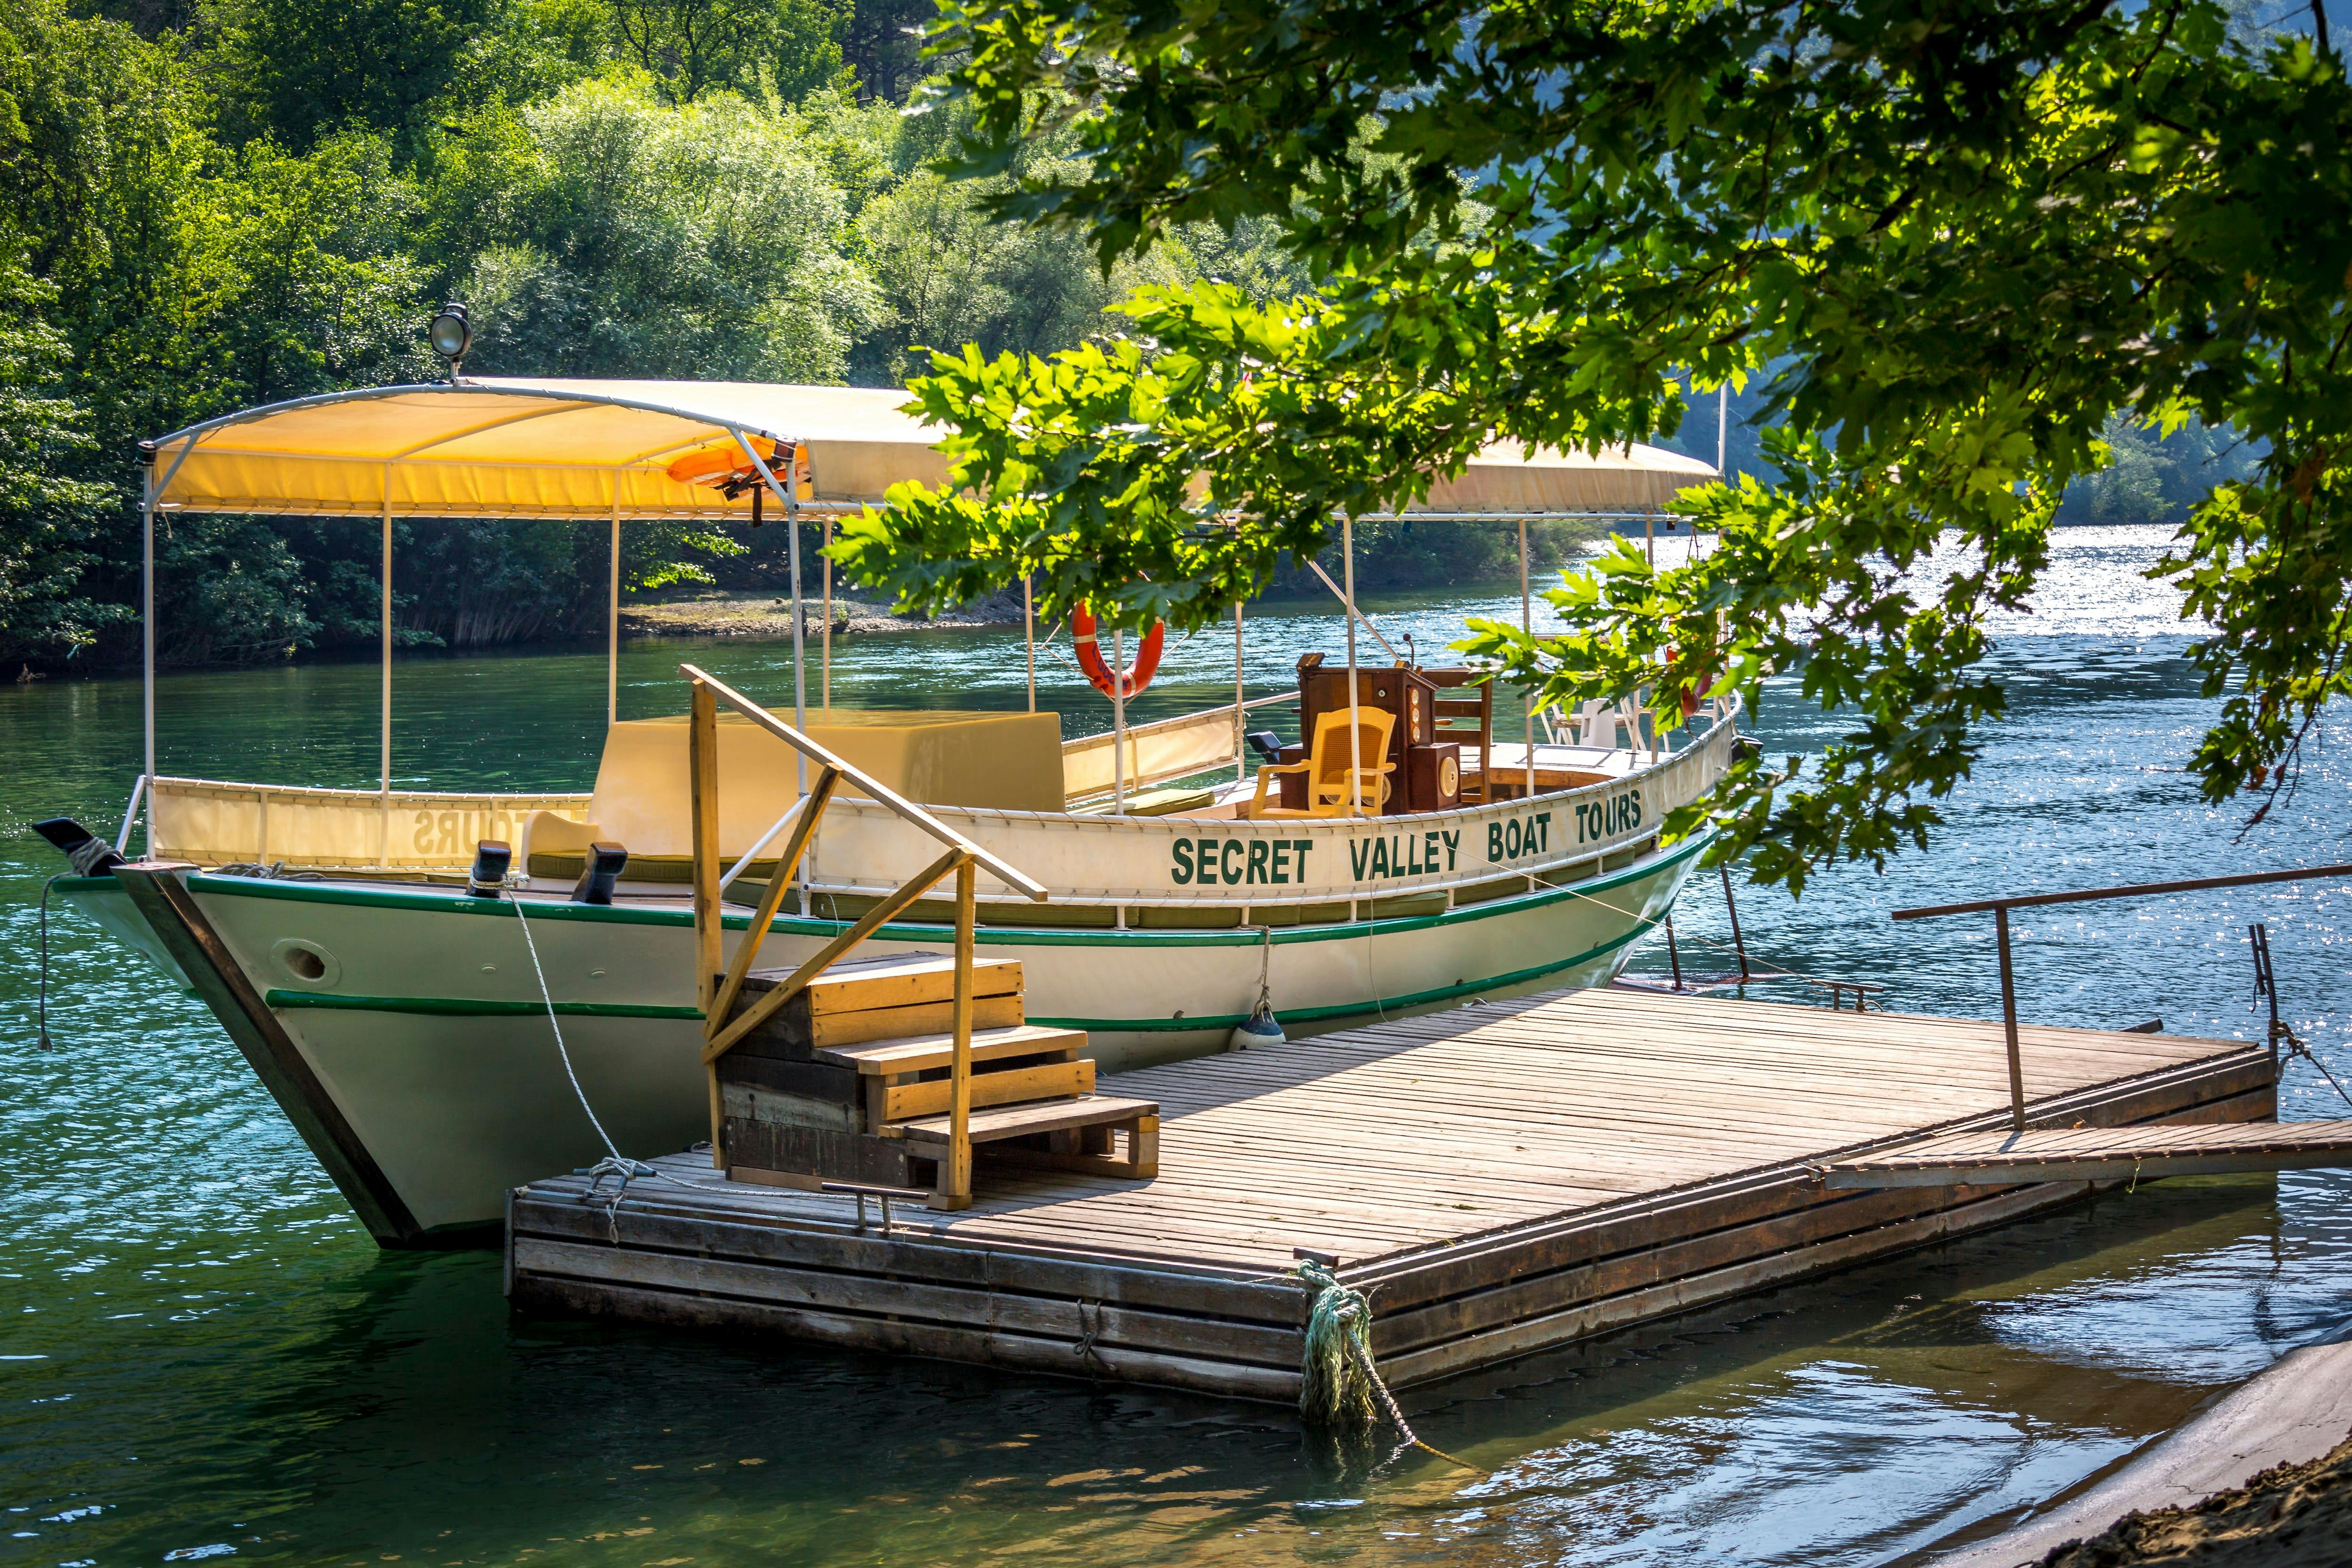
x=455 y=1091
x=405 y=1029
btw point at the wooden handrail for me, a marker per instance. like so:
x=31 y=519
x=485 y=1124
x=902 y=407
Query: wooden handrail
x=871 y=786
x=773 y=900
x=725 y=1034
x=717 y=994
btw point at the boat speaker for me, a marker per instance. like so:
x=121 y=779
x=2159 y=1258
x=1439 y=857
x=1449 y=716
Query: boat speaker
x=491 y=859
x=597 y=877
x=90 y=855
x=1265 y=743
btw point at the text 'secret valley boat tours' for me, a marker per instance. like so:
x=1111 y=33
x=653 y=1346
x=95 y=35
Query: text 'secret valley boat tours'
x=397 y=996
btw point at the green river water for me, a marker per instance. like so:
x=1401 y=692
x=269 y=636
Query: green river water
x=205 y=1357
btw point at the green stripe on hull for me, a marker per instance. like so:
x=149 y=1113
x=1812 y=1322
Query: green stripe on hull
x=1356 y=1009
x=454 y=1006
x=458 y=1006
x=986 y=936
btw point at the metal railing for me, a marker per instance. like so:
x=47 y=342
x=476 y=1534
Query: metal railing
x=717 y=993
x=2000 y=908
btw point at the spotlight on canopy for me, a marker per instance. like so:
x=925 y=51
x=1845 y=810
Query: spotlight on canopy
x=449 y=334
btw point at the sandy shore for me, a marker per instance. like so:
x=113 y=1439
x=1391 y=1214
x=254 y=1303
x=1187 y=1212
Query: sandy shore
x=2262 y=1475
x=2294 y=1516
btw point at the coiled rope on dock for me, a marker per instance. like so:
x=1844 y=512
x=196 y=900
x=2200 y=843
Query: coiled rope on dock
x=1339 y=1385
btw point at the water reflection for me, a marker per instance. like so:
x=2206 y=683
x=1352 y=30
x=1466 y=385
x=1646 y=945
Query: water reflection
x=205 y=1351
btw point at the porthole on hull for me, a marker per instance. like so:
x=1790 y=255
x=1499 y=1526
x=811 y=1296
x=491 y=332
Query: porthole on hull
x=305 y=962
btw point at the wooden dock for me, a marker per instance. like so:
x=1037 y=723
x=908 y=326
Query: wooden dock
x=1504 y=1178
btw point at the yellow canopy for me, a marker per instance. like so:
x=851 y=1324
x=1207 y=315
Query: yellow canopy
x=491 y=447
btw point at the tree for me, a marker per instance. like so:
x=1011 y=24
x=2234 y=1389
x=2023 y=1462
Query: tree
x=1948 y=237
x=882 y=41
x=303 y=68
x=47 y=520
x=614 y=237
x=751 y=46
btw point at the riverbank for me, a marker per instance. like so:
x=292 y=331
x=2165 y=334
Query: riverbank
x=763 y=617
x=2264 y=1474
x=2295 y=1516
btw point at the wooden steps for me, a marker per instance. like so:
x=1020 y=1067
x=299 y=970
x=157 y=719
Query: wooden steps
x=1013 y=1121
x=852 y=1082
x=919 y=1052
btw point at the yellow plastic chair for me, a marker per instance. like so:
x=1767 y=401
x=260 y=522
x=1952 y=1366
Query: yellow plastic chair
x=1331 y=790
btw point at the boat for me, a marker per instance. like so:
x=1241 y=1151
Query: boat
x=450 y=992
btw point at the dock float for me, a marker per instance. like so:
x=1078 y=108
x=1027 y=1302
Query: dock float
x=1502 y=1178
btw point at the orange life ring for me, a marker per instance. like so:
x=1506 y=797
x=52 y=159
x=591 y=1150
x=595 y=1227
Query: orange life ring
x=1131 y=680
x=1690 y=697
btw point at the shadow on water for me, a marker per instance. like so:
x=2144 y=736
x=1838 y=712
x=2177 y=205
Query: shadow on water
x=206 y=1357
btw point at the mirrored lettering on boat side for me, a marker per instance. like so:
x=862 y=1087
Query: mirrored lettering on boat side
x=453 y=834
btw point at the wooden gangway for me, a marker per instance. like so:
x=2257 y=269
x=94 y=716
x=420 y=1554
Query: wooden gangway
x=2098 y=1154
x=1502 y=1178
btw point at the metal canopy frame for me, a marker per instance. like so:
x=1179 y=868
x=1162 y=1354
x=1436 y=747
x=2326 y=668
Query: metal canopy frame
x=182 y=443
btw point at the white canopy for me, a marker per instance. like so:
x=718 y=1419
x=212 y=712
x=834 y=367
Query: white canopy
x=1510 y=479
x=490 y=447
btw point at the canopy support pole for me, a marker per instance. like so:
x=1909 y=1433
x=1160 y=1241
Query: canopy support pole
x=1029 y=637
x=1649 y=536
x=1119 y=721
x=385 y=706
x=1241 y=715
x=799 y=628
x=790 y=501
x=824 y=646
x=150 y=493
x=613 y=619
x=1527 y=624
x=1358 y=614
x=1355 y=796
x=147 y=630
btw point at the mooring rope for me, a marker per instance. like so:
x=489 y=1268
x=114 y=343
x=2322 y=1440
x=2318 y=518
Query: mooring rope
x=1337 y=1380
x=615 y=1163
x=2284 y=1036
x=42 y=1012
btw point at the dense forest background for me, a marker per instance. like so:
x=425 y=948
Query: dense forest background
x=210 y=204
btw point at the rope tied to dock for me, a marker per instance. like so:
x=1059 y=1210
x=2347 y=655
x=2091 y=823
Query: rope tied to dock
x=42 y=1011
x=615 y=1163
x=1338 y=1383
x=2293 y=1046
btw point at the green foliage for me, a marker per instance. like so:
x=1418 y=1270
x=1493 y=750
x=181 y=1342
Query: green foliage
x=203 y=210
x=950 y=275
x=791 y=47
x=45 y=517
x=612 y=236
x=883 y=45
x=1944 y=239
x=303 y=69
x=2155 y=477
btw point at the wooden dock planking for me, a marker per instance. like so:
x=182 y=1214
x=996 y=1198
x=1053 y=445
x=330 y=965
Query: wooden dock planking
x=1508 y=1176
